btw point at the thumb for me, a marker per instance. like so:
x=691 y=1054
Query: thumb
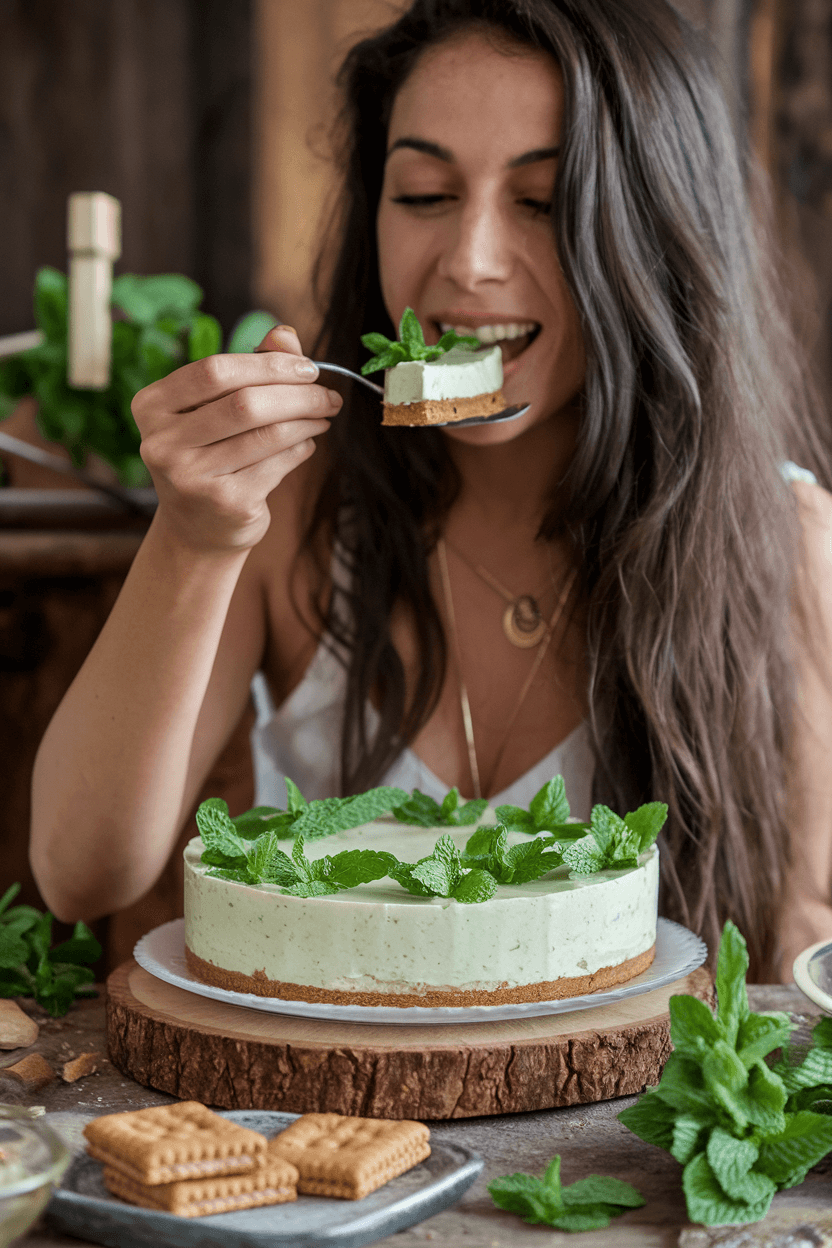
x=282 y=338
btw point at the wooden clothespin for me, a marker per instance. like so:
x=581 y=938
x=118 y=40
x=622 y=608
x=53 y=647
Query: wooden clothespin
x=94 y=241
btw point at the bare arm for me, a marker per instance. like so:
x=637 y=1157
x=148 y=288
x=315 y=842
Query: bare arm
x=807 y=914
x=168 y=677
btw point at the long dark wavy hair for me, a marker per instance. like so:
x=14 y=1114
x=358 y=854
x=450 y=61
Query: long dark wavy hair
x=693 y=397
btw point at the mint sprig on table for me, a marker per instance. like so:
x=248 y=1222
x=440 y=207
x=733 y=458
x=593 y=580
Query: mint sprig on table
x=30 y=968
x=424 y=812
x=412 y=346
x=586 y=1205
x=742 y=1128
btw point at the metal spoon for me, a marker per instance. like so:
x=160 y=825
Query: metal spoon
x=507 y=413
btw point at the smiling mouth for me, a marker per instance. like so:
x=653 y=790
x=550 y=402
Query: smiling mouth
x=512 y=337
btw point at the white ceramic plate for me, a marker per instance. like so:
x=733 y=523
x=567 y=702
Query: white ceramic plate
x=813 y=974
x=678 y=952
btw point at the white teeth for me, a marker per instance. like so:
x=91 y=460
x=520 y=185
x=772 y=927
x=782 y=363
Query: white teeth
x=492 y=333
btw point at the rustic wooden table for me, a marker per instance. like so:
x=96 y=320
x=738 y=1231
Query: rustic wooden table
x=589 y=1139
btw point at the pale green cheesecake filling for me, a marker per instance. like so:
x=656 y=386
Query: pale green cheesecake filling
x=379 y=938
x=459 y=374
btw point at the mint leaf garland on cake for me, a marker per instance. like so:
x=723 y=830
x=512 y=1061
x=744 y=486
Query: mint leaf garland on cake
x=309 y=903
x=434 y=384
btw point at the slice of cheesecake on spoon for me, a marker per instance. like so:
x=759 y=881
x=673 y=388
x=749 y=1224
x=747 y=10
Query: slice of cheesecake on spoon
x=452 y=382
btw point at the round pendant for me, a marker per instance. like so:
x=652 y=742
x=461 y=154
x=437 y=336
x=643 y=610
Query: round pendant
x=523 y=624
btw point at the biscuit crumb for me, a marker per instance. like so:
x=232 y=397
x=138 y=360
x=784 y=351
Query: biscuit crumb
x=78 y=1067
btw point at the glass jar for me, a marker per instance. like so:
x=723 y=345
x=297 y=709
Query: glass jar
x=32 y=1160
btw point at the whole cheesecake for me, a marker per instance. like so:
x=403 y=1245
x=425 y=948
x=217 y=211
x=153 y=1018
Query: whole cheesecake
x=377 y=944
x=459 y=385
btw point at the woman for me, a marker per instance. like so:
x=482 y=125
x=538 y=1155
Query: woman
x=557 y=175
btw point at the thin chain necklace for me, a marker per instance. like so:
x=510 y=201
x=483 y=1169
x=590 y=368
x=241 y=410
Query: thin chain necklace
x=467 y=722
x=523 y=622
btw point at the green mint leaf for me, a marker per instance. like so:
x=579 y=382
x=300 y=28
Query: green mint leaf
x=435 y=876
x=551 y=1181
x=687 y=1136
x=445 y=851
x=452 y=339
x=320 y=868
x=683 y=1087
x=607 y=829
x=250 y=331
x=707 y=1202
x=759 y=1034
x=365 y=807
x=217 y=831
x=726 y=1077
x=39 y=938
x=804 y=1141
x=584 y=1218
x=8 y=897
x=148 y=299
x=549 y=807
x=375 y=343
x=693 y=1027
x=17 y=982
x=766 y=1100
x=478 y=847
x=312 y=888
x=731 y=970
x=263 y=819
x=295 y=801
x=646 y=823
x=818 y=1099
x=359 y=866
x=402 y=873
x=300 y=862
x=237 y=875
x=420 y=810
x=522 y=1194
x=395 y=354
x=652 y=1120
x=338 y=814
x=584 y=857
x=261 y=855
x=515 y=819
x=600 y=1189
x=476 y=886
x=470 y=812
x=82 y=947
x=281 y=871
x=530 y=861
x=204 y=337
x=731 y=1160
x=51 y=299
x=410 y=331
x=13 y=948
x=449 y=805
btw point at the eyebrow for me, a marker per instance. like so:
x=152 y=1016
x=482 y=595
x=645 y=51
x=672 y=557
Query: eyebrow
x=444 y=153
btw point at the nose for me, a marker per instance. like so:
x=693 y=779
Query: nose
x=478 y=249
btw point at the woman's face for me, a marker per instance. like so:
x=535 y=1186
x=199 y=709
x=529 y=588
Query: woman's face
x=463 y=228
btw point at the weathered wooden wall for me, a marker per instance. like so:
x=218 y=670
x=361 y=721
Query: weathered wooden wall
x=147 y=99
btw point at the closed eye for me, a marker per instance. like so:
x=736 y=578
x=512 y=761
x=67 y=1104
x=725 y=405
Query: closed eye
x=539 y=207
x=420 y=201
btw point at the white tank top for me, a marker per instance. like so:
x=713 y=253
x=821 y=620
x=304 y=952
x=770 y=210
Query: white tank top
x=301 y=739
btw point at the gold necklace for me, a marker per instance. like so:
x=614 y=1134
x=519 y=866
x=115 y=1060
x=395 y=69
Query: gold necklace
x=467 y=721
x=523 y=622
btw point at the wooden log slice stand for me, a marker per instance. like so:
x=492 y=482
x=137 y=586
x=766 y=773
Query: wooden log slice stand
x=237 y=1058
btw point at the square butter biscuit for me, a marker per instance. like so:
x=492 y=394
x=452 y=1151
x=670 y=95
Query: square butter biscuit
x=272 y=1184
x=349 y=1157
x=172 y=1142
